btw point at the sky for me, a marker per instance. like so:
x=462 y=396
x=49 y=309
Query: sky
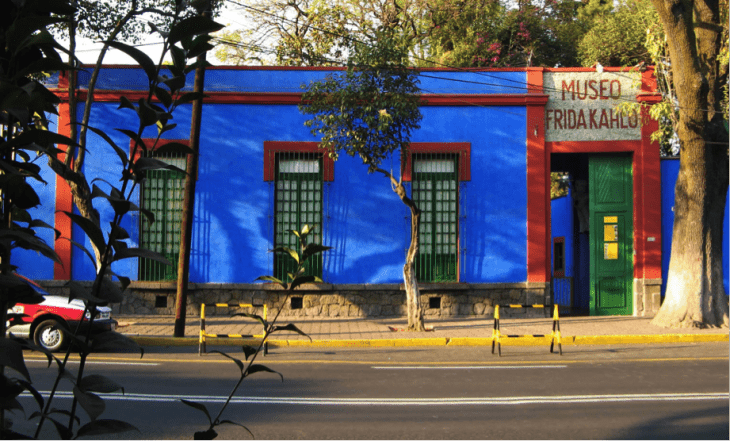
x=87 y=50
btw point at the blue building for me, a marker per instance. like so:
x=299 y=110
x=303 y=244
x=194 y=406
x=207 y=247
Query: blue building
x=479 y=167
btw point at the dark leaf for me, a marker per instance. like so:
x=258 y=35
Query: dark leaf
x=288 y=250
x=313 y=249
x=143 y=164
x=134 y=137
x=291 y=327
x=38 y=397
x=164 y=96
x=175 y=83
x=79 y=291
x=193 y=26
x=200 y=407
x=10 y=434
x=300 y=280
x=236 y=424
x=98 y=383
x=63 y=431
x=249 y=351
x=42 y=65
x=147 y=115
x=91 y=403
x=41 y=137
x=208 y=434
x=190 y=97
x=125 y=103
x=83 y=248
x=254 y=368
x=111 y=292
x=104 y=427
x=150 y=216
x=91 y=229
x=238 y=362
x=118 y=232
x=178 y=57
x=140 y=57
x=11 y=355
x=125 y=281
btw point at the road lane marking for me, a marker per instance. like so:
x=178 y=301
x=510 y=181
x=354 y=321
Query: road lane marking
x=537 y=366
x=270 y=360
x=106 y=363
x=486 y=401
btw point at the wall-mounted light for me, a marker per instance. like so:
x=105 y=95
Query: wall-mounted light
x=599 y=67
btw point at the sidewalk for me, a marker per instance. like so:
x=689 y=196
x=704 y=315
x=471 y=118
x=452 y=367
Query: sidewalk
x=158 y=330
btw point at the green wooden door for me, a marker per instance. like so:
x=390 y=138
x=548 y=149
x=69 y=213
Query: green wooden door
x=611 y=235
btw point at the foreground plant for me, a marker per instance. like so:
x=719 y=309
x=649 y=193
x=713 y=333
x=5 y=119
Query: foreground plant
x=246 y=366
x=23 y=119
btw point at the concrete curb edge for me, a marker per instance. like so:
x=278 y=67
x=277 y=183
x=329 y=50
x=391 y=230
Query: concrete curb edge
x=443 y=341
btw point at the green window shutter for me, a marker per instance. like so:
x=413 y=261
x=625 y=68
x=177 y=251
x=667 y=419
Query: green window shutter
x=435 y=191
x=162 y=194
x=298 y=202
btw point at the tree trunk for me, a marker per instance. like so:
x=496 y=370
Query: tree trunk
x=413 y=295
x=410 y=282
x=695 y=294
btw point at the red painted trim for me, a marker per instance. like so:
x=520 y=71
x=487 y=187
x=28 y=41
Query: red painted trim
x=463 y=149
x=64 y=202
x=538 y=184
x=271 y=148
x=648 y=223
x=320 y=68
x=150 y=145
x=295 y=98
x=594 y=146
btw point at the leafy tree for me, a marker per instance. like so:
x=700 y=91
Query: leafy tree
x=315 y=32
x=488 y=33
x=369 y=111
x=697 y=38
x=619 y=37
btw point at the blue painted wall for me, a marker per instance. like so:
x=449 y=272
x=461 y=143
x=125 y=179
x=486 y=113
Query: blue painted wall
x=30 y=263
x=670 y=171
x=365 y=221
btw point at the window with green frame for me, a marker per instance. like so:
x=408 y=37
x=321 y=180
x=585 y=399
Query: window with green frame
x=298 y=202
x=162 y=193
x=436 y=192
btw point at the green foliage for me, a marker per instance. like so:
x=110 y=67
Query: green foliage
x=27 y=49
x=619 y=37
x=369 y=110
x=488 y=33
x=297 y=279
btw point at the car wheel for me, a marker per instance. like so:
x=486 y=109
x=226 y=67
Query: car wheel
x=49 y=335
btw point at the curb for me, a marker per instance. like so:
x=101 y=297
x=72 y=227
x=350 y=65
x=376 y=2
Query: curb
x=443 y=341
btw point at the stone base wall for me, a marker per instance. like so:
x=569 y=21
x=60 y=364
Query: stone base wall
x=647 y=297
x=329 y=301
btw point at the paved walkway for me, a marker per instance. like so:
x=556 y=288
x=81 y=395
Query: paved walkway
x=390 y=332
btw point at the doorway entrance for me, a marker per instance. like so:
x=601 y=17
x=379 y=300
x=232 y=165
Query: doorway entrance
x=592 y=234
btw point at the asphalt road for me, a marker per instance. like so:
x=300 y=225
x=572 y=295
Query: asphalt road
x=591 y=392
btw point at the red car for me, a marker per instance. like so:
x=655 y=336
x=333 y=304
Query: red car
x=41 y=321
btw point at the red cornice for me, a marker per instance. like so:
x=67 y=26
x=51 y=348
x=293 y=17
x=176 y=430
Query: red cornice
x=463 y=149
x=294 y=98
x=272 y=148
x=593 y=146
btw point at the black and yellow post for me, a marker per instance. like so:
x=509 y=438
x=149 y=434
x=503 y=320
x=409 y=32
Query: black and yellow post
x=201 y=342
x=554 y=335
